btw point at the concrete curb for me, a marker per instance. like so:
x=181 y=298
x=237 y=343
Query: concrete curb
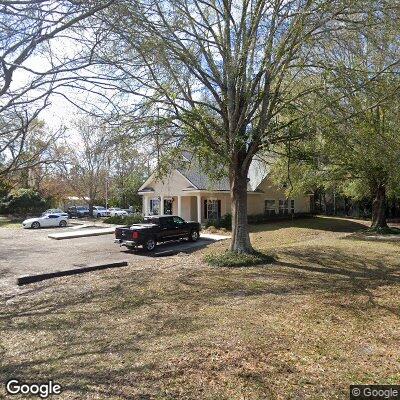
x=83 y=233
x=24 y=280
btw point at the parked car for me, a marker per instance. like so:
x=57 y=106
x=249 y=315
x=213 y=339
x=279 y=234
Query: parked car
x=99 y=211
x=129 y=211
x=78 y=212
x=115 y=211
x=46 y=220
x=53 y=211
x=157 y=229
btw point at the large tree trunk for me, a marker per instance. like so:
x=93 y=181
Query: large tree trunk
x=379 y=208
x=240 y=227
x=91 y=204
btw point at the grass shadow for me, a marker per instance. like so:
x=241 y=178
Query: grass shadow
x=331 y=224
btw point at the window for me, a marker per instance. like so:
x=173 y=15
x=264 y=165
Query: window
x=154 y=206
x=283 y=207
x=167 y=206
x=178 y=221
x=269 y=207
x=212 y=209
x=292 y=206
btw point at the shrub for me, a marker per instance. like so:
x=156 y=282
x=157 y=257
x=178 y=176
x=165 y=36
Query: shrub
x=23 y=202
x=262 y=218
x=224 y=222
x=232 y=259
x=5 y=188
x=128 y=220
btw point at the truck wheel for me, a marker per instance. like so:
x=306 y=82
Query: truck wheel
x=194 y=236
x=150 y=245
x=35 y=225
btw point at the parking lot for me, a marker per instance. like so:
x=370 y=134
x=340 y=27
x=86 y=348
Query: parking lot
x=28 y=252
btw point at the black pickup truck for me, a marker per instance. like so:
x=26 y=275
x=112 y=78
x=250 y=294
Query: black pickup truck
x=157 y=229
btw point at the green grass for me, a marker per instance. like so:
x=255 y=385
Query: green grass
x=232 y=259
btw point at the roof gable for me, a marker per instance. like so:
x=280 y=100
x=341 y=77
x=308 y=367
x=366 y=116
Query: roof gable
x=197 y=179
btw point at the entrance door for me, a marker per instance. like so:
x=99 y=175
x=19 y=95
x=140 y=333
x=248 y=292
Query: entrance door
x=167 y=206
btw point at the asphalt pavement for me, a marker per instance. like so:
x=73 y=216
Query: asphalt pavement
x=28 y=252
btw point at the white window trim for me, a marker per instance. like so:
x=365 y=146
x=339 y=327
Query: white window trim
x=270 y=209
x=151 y=208
x=214 y=201
x=287 y=206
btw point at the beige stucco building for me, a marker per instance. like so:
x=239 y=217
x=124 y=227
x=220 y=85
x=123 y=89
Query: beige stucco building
x=188 y=192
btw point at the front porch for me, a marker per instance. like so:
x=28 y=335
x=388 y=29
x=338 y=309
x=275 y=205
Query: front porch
x=198 y=207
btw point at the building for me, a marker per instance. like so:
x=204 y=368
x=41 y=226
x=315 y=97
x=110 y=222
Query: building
x=187 y=191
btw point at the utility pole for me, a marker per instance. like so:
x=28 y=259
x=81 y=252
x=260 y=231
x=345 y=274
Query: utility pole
x=108 y=171
x=158 y=137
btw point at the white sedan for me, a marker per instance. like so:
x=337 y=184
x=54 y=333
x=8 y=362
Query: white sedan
x=46 y=221
x=99 y=211
x=115 y=211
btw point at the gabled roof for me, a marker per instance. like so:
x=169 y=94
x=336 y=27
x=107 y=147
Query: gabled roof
x=199 y=180
x=202 y=181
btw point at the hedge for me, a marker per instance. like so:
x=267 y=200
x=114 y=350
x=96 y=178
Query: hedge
x=127 y=220
x=23 y=202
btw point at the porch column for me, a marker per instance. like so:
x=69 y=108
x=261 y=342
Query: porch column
x=199 y=208
x=144 y=205
x=162 y=205
x=180 y=206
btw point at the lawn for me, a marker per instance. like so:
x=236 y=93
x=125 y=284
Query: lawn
x=8 y=223
x=322 y=316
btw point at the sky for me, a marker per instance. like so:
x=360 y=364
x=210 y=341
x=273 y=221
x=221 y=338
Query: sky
x=60 y=112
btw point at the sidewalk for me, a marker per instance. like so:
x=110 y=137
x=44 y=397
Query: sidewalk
x=83 y=232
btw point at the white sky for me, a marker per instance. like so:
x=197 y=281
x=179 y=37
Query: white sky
x=60 y=111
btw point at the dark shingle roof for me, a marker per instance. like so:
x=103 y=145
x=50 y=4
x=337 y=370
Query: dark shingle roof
x=192 y=170
x=200 y=180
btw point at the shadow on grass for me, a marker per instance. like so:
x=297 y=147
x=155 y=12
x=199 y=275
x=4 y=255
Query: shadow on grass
x=89 y=357
x=98 y=337
x=389 y=235
x=319 y=223
x=337 y=272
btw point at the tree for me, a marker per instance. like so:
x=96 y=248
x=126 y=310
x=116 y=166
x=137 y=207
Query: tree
x=354 y=145
x=27 y=159
x=29 y=29
x=354 y=151
x=128 y=170
x=87 y=169
x=23 y=202
x=225 y=74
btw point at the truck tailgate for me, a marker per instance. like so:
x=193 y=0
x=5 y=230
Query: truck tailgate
x=123 y=233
